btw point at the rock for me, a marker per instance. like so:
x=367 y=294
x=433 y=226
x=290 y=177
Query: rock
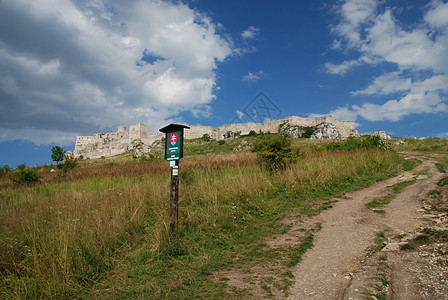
x=355 y=134
x=291 y=131
x=393 y=247
x=244 y=145
x=382 y=134
x=138 y=148
x=326 y=131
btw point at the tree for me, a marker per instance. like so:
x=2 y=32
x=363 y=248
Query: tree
x=57 y=154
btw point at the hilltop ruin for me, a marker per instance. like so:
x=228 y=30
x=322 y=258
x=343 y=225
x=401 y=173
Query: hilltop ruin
x=114 y=143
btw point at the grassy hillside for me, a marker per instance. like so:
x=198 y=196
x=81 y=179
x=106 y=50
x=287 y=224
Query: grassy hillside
x=102 y=230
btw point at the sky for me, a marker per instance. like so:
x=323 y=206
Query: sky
x=70 y=68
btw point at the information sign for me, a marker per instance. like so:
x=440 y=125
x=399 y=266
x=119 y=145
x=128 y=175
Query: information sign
x=173 y=145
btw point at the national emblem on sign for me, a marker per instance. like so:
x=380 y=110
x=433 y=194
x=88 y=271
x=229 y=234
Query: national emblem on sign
x=173 y=139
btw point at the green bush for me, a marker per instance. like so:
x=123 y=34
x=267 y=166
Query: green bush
x=4 y=170
x=368 y=142
x=252 y=133
x=69 y=164
x=274 y=151
x=24 y=175
x=206 y=137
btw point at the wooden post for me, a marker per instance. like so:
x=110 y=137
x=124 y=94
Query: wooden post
x=174 y=196
x=174 y=150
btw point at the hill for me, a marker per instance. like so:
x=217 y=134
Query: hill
x=101 y=231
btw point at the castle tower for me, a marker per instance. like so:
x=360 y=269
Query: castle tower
x=138 y=131
x=121 y=129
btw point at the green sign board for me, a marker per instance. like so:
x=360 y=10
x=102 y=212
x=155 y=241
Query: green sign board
x=173 y=144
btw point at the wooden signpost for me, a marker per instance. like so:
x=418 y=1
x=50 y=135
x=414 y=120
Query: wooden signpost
x=174 y=151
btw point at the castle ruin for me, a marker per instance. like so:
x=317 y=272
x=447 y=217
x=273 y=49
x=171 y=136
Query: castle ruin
x=114 y=143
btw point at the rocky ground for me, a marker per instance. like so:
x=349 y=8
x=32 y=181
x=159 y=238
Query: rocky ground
x=398 y=251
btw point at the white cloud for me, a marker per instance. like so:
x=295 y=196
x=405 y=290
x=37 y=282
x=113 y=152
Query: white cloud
x=437 y=16
x=341 y=113
x=72 y=67
x=419 y=52
x=253 y=77
x=387 y=83
x=395 y=110
x=342 y=68
x=354 y=13
x=250 y=32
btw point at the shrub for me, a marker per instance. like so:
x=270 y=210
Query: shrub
x=4 y=170
x=69 y=164
x=274 y=151
x=24 y=175
x=230 y=135
x=252 y=133
x=206 y=137
x=368 y=142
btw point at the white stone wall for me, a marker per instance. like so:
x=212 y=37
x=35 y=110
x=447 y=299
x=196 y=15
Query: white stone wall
x=114 y=143
x=197 y=131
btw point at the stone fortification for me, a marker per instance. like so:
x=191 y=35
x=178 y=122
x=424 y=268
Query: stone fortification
x=138 y=139
x=114 y=143
x=345 y=128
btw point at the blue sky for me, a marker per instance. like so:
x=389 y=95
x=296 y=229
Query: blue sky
x=71 y=68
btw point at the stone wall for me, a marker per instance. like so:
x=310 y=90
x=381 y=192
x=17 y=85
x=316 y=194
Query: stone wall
x=113 y=143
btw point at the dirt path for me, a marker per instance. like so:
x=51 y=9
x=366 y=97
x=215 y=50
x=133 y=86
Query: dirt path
x=343 y=263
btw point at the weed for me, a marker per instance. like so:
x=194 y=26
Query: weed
x=440 y=167
x=367 y=142
x=186 y=176
x=267 y=289
x=443 y=181
x=60 y=239
x=410 y=164
x=397 y=188
x=380 y=241
x=433 y=193
x=408 y=246
x=295 y=256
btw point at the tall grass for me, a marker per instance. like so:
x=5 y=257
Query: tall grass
x=106 y=229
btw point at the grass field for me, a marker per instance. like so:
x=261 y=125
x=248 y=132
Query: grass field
x=102 y=230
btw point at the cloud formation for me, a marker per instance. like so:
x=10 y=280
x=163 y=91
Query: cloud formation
x=250 y=32
x=419 y=53
x=253 y=77
x=70 y=66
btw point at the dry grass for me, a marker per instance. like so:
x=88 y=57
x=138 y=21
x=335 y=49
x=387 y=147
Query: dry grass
x=59 y=238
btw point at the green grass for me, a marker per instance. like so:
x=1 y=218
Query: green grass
x=434 y=193
x=295 y=256
x=443 y=181
x=427 y=236
x=426 y=145
x=382 y=281
x=397 y=188
x=410 y=164
x=440 y=167
x=102 y=232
